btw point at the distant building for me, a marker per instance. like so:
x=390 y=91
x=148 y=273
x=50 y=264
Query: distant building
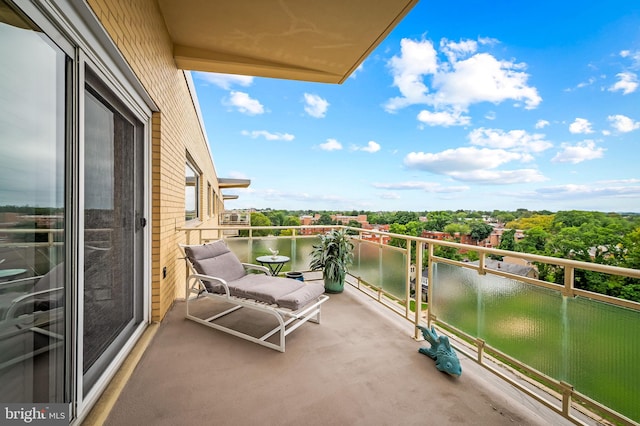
x=344 y=220
x=440 y=236
x=308 y=220
x=376 y=237
x=512 y=268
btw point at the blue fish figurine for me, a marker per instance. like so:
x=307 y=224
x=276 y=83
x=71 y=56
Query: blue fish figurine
x=441 y=351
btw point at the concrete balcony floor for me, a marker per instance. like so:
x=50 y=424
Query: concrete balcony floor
x=360 y=366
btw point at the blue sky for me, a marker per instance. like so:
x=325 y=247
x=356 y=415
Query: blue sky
x=481 y=106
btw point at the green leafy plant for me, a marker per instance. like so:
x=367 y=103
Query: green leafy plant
x=333 y=256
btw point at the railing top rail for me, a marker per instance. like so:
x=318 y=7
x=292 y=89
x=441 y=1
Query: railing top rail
x=595 y=267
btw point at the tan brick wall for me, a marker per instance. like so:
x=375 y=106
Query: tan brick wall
x=138 y=30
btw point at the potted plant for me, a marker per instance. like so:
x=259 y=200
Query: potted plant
x=333 y=255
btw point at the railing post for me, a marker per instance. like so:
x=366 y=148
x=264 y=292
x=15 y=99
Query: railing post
x=567 y=391
x=481 y=264
x=480 y=344
x=418 y=292
x=408 y=281
x=569 y=278
x=430 y=267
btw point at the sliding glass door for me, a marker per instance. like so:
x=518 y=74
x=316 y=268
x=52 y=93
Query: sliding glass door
x=113 y=223
x=34 y=88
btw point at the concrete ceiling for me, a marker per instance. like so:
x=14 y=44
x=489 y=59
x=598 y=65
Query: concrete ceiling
x=310 y=40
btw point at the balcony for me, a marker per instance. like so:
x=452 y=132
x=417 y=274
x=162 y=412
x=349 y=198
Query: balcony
x=532 y=352
x=359 y=366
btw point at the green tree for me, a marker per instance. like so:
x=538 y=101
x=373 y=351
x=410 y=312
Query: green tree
x=534 y=241
x=276 y=217
x=457 y=228
x=508 y=240
x=405 y=217
x=290 y=221
x=480 y=230
x=259 y=219
x=325 y=219
x=354 y=224
x=544 y=222
x=436 y=221
x=397 y=228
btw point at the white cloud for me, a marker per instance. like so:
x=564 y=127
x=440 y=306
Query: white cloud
x=371 y=147
x=331 y=145
x=541 y=124
x=471 y=164
x=491 y=115
x=466 y=77
x=590 y=81
x=623 y=123
x=627 y=83
x=582 y=151
x=315 y=105
x=268 y=135
x=455 y=50
x=515 y=140
x=443 y=118
x=634 y=56
x=483 y=78
x=416 y=60
x=588 y=191
x=244 y=103
x=580 y=125
x=389 y=196
x=460 y=159
x=433 y=187
x=500 y=177
x=225 y=81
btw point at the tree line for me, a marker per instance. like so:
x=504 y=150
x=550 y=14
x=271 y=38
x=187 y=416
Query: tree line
x=587 y=236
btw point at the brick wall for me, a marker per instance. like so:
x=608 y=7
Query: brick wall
x=138 y=30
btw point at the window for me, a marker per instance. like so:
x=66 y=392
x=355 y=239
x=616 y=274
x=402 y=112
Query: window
x=214 y=200
x=191 y=192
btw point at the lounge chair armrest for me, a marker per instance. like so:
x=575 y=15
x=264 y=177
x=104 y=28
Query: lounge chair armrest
x=18 y=301
x=201 y=278
x=251 y=266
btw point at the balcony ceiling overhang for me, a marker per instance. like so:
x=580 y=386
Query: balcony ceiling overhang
x=320 y=41
x=229 y=197
x=226 y=183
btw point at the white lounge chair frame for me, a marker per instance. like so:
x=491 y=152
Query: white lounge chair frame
x=288 y=320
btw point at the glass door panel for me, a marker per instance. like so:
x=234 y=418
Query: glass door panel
x=33 y=98
x=113 y=194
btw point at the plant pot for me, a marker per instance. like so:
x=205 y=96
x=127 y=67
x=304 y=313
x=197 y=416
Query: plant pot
x=295 y=275
x=333 y=286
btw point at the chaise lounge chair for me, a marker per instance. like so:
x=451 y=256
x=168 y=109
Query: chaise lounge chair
x=219 y=275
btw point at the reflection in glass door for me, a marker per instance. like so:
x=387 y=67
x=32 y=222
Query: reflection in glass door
x=33 y=288
x=113 y=202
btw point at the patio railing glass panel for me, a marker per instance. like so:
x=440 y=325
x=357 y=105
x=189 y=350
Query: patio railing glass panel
x=381 y=266
x=589 y=344
x=297 y=249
